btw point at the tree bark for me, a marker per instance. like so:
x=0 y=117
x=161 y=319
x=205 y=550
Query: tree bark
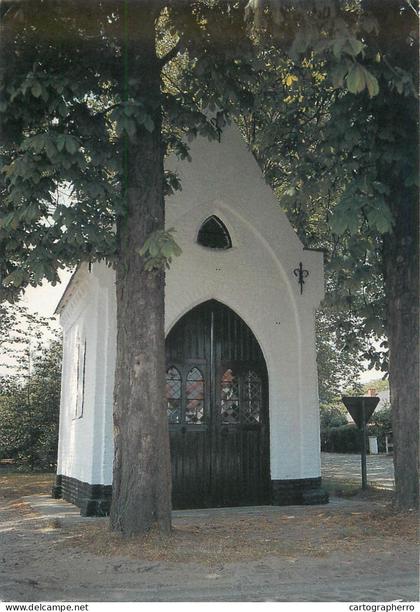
x=142 y=480
x=401 y=249
x=401 y=268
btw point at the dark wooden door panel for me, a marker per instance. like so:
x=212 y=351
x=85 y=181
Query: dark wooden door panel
x=227 y=481
x=190 y=455
x=218 y=407
x=240 y=475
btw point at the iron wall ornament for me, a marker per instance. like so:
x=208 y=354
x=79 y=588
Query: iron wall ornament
x=301 y=274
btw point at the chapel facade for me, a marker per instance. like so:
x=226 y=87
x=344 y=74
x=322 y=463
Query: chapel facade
x=241 y=376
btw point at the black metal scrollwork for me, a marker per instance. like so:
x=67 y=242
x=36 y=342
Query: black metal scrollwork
x=301 y=274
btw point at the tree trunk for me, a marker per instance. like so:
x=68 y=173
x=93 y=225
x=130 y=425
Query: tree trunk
x=402 y=296
x=141 y=482
x=393 y=110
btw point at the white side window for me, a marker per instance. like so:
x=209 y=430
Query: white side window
x=80 y=374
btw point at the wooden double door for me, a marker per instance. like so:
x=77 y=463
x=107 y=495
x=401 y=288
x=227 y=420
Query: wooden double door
x=217 y=399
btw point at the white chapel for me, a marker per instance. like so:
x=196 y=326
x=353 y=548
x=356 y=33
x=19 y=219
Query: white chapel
x=241 y=379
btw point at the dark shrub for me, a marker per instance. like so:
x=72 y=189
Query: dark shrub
x=343 y=439
x=332 y=415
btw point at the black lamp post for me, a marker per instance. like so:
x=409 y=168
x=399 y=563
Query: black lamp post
x=361 y=409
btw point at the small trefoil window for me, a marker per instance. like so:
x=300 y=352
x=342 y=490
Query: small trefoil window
x=213 y=234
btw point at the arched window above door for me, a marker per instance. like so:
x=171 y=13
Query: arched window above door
x=213 y=234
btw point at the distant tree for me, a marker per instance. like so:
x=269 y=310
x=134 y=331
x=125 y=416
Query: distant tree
x=332 y=415
x=339 y=365
x=30 y=352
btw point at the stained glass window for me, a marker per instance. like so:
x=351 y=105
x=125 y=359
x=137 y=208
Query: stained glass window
x=194 y=410
x=252 y=398
x=214 y=235
x=229 y=398
x=173 y=395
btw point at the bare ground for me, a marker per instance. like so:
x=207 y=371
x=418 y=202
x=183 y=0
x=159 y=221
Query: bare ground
x=353 y=549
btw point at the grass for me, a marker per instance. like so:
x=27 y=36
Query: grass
x=17 y=484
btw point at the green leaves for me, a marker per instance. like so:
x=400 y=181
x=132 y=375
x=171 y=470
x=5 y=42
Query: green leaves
x=61 y=142
x=68 y=143
x=72 y=145
x=362 y=202
x=36 y=89
x=321 y=29
x=148 y=122
x=345 y=45
x=16 y=278
x=129 y=116
x=344 y=218
x=358 y=79
x=159 y=250
x=380 y=218
x=51 y=142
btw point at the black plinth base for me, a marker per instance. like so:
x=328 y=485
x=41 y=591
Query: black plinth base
x=300 y=491
x=93 y=500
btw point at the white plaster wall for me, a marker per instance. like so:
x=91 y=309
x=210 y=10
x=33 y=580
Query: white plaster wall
x=78 y=439
x=104 y=450
x=255 y=278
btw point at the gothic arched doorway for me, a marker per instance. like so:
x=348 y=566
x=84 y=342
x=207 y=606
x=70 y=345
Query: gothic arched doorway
x=217 y=397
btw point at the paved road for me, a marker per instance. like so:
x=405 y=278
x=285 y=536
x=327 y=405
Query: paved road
x=380 y=468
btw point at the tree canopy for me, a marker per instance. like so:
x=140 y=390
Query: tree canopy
x=286 y=70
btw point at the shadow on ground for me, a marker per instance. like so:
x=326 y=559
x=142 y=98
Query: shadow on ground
x=348 y=550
